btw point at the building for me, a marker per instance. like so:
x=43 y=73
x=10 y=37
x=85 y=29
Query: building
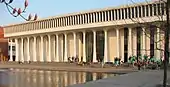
x=3 y=46
x=97 y=34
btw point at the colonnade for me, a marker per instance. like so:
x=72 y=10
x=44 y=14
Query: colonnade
x=96 y=16
x=57 y=47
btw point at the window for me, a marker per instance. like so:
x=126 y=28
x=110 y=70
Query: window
x=140 y=14
x=150 y=7
x=158 y=9
x=132 y=13
x=87 y=19
x=122 y=12
x=126 y=13
x=129 y=13
x=110 y=15
x=147 y=10
x=119 y=14
x=103 y=17
x=163 y=8
x=92 y=18
x=155 y=9
x=136 y=12
x=143 y=11
x=106 y=15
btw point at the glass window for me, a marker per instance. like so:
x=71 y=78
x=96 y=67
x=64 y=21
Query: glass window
x=119 y=14
x=109 y=15
x=147 y=10
x=87 y=19
x=163 y=8
x=140 y=14
x=150 y=7
x=126 y=13
x=116 y=14
x=122 y=12
x=133 y=12
x=155 y=9
x=158 y=9
x=129 y=12
x=103 y=16
x=136 y=12
x=143 y=11
x=113 y=15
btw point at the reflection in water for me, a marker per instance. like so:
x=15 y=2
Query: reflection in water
x=40 y=78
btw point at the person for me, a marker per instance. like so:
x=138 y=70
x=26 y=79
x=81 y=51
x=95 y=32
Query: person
x=133 y=59
x=129 y=60
x=73 y=59
x=159 y=63
x=76 y=59
x=69 y=60
x=116 y=61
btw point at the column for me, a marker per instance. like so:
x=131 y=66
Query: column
x=117 y=41
x=42 y=49
x=16 y=52
x=75 y=48
x=130 y=43
x=28 y=49
x=111 y=15
x=143 y=41
x=57 y=48
x=34 y=51
x=65 y=53
x=84 y=46
x=106 y=46
x=49 y=48
x=11 y=55
x=22 y=50
x=94 y=46
x=158 y=52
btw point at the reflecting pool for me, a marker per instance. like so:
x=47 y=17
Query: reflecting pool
x=42 y=78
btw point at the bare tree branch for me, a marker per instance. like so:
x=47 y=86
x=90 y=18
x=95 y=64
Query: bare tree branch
x=18 y=12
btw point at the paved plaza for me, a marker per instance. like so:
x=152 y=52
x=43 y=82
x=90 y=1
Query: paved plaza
x=68 y=67
x=136 y=79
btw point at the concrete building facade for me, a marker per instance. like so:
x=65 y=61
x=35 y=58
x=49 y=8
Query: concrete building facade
x=91 y=35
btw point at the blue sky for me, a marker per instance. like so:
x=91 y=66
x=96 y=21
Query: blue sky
x=47 y=8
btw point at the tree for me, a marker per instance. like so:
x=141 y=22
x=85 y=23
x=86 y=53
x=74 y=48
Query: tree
x=16 y=12
x=164 y=25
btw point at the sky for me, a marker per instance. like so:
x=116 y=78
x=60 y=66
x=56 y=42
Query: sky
x=47 y=8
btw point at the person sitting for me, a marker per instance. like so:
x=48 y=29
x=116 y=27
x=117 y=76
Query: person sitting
x=116 y=61
x=73 y=59
x=76 y=59
x=69 y=59
x=29 y=62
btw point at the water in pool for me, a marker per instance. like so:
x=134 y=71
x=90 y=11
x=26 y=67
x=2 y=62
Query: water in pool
x=42 y=78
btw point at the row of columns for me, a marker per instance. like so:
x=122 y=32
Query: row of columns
x=57 y=48
x=106 y=57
